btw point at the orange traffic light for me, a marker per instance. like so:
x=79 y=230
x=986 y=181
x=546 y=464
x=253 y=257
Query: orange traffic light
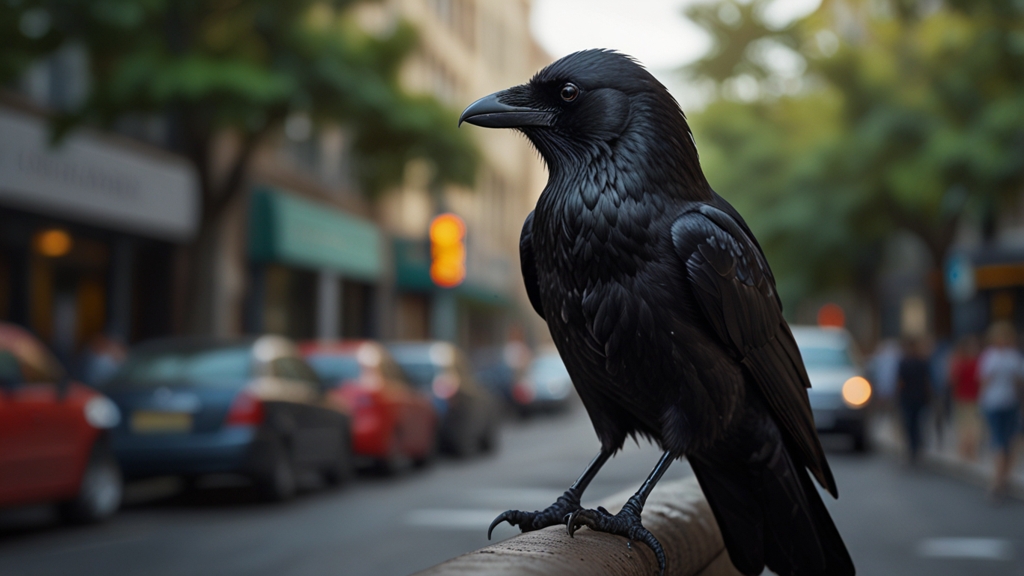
x=447 y=250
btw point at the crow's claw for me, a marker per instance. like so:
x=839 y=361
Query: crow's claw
x=625 y=523
x=557 y=513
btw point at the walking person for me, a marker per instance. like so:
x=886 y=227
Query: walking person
x=963 y=376
x=1000 y=369
x=913 y=390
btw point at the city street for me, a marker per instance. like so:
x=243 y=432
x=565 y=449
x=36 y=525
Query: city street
x=895 y=520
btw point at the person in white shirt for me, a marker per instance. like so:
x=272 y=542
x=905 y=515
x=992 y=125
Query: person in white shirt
x=1000 y=369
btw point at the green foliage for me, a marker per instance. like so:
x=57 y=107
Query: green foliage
x=911 y=117
x=244 y=66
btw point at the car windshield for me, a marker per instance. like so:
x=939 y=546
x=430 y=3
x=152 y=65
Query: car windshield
x=821 y=357
x=420 y=374
x=334 y=368
x=548 y=367
x=210 y=368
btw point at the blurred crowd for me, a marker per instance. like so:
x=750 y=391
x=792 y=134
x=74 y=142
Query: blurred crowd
x=969 y=392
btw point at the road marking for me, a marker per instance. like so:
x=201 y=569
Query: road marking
x=518 y=498
x=979 y=548
x=452 y=519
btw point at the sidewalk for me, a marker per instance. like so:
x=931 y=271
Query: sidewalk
x=887 y=436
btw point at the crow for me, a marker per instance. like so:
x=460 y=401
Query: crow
x=663 y=307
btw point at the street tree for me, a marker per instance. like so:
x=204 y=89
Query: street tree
x=233 y=70
x=927 y=130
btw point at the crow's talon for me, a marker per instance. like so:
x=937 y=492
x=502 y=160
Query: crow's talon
x=559 y=512
x=626 y=523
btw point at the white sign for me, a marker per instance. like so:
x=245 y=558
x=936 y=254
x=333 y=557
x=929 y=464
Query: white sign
x=92 y=181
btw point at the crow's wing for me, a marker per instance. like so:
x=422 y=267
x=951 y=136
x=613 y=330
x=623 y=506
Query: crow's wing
x=529 y=266
x=735 y=290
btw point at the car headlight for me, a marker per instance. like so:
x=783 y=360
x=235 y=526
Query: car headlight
x=101 y=413
x=856 y=392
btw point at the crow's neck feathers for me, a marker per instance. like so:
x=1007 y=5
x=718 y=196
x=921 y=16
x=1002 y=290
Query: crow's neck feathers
x=655 y=154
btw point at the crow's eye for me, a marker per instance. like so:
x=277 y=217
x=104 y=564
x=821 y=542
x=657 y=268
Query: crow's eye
x=569 y=92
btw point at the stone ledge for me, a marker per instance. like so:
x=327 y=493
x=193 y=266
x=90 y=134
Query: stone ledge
x=676 y=513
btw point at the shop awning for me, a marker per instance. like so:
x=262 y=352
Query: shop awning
x=291 y=230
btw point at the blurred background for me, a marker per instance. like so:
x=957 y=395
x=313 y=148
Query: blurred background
x=245 y=252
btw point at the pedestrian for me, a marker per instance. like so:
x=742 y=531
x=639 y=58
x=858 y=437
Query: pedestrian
x=1000 y=370
x=963 y=375
x=883 y=366
x=913 y=390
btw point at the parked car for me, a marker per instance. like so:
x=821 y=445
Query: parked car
x=840 y=395
x=253 y=407
x=469 y=414
x=545 y=385
x=54 y=445
x=392 y=422
x=498 y=368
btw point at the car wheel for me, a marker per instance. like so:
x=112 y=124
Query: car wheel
x=860 y=442
x=395 y=462
x=465 y=444
x=489 y=440
x=428 y=456
x=277 y=483
x=341 y=471
x=99 y=495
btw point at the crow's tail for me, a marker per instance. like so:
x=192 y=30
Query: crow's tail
x=767 y=507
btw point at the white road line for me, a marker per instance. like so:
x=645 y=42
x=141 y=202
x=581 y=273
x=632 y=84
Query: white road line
x=452 y=519
x=978 y=548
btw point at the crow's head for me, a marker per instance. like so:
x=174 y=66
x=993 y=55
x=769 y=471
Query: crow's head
x=586 y=102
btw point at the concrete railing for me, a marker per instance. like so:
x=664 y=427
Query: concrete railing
x=676 y=513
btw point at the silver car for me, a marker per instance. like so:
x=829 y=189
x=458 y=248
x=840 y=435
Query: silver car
x=840 y=395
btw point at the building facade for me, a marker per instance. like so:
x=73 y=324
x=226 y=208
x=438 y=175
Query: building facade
x=467 y=49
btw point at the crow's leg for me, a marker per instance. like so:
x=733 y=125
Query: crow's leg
x=558 y=512
x=627 y=521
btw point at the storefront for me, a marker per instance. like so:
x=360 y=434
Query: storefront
x=985 y=285
x=88 y=231
x=315 y=270
x=477 y=313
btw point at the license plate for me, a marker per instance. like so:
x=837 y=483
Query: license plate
x=153 y=422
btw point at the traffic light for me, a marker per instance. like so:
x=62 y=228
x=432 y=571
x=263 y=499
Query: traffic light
x=447 y=250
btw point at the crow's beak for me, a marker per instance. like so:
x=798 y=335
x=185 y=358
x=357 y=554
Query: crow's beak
x=490 y=112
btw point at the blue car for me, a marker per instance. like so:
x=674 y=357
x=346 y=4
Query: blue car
x=469 y=415
x=253 y=407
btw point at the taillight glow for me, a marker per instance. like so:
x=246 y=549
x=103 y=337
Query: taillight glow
x=445 y=386
x=246 y=410
x=523 y=392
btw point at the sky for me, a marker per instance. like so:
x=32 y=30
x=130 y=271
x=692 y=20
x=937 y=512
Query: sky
x=653 y=31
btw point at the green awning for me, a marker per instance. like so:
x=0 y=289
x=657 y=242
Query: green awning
x=291 y=230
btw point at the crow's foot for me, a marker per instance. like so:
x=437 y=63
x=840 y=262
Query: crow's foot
x=528 y=521
x=625 y=523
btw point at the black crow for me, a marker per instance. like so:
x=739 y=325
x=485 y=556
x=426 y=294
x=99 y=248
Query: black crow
x=662 y=305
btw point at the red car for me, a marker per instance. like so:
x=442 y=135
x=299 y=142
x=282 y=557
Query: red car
x=392 y=423
x=53 y=440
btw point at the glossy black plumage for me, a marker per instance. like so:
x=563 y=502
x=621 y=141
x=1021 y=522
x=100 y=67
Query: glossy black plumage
x=664 y=309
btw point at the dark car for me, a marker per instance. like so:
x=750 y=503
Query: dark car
x=253 y=407
x=392 y=422
x=53 y=434
x=498 y=368
x=469 y=414
x=840 y=395
x=545 y=385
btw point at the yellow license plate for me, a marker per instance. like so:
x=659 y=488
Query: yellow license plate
x=152 y=422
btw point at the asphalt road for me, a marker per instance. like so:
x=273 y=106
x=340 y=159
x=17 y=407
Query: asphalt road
x=895 y=520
